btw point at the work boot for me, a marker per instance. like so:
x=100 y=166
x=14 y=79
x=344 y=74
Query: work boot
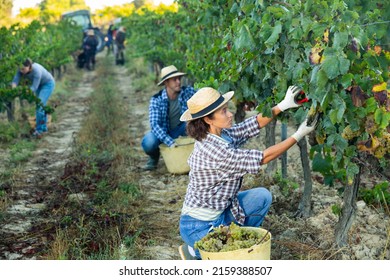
x=151 y=164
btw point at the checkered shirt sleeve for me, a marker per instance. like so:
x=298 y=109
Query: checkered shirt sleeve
x=159 y=115
x=217 y=169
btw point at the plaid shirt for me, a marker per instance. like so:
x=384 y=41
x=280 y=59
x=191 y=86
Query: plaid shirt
x=159 y=115
x=217 y=169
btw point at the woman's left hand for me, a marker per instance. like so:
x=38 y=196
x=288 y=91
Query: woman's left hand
x=289 y=99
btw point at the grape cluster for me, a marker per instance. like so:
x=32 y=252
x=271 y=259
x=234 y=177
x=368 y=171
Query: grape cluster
x=349 y=134
x=384 y=146
x=229 y=238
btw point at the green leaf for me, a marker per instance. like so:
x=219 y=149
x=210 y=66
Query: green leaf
x=333 y=116
x=344 y=65
x=244 y=38
x=322 y=79
x=385 y=120
x=382 y=118
x=352 y=169
x=313 y=76
x=331 y=67
x=340 y=40
x=322 y=165
x=371 y=105
x=346 y=80
x=325 y=101
x=378 y=116
x=277 y=29
x=337 y=113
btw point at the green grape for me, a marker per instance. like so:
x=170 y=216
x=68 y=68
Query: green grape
x=229 y=238
x=348 y=134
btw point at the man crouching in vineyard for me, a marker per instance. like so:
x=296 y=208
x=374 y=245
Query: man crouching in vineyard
x=165 y=109
x=218 y=165
x=42 y=85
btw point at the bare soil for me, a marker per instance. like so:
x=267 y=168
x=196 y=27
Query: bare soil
x=23 y=234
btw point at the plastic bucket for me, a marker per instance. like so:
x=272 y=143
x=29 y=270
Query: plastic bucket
x=261 y=251
x=176 y=159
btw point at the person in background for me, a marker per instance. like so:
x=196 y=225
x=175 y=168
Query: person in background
x=42 y=85
x=109 y=38
x=218 y=164
x=165 y=109
x=119 y=46
x=90 y=44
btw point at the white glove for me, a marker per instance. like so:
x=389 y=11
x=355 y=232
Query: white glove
x=304 y=129
x=288 y=101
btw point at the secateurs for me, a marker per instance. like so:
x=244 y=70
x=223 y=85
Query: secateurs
x=301 y=98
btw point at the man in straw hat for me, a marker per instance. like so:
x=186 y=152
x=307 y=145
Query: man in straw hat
x=90 y=44
x=164 y=114
x=218 y=165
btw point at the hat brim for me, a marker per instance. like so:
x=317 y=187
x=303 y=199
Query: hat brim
x=171 y=76
x=188 y=117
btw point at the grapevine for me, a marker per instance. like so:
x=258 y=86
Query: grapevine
x=50 y=44
x=336 y=51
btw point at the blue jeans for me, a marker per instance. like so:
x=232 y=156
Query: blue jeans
x=150 y=142
x=43 y=93
x=255 y=203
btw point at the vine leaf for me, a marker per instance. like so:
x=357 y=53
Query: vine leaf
x=244 y=38
x=335 y=65
x=274 y=36
x=323 y=165
x=340 y=40
x=358 y=96
x=368 y=145
x=381 y=95
x=315 y=56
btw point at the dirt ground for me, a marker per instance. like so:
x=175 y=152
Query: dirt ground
x=22 y=231
x=292 y=238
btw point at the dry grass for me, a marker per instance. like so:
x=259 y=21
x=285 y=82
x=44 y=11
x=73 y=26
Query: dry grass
x=106 y=226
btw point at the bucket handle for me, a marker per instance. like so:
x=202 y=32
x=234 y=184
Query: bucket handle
x=265 y=235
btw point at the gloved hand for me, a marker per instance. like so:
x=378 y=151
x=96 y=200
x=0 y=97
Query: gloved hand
x=288 y=101
x=174 y=145
x=305 y=129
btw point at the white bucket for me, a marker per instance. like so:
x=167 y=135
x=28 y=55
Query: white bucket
x=176 y=158
x=260 y=251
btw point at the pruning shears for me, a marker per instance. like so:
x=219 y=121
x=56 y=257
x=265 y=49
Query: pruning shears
x=301 y=98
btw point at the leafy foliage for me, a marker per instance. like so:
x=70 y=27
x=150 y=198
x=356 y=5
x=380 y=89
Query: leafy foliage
x=50 y=45
x=336 y=51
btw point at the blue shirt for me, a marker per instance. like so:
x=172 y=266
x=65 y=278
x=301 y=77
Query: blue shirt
x=38 y=76
x=159 y=112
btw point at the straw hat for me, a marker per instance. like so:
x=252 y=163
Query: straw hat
x=169 y=72
x=203 y=102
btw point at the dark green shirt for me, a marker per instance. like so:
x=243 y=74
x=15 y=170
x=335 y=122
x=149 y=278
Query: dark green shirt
x=174 y=113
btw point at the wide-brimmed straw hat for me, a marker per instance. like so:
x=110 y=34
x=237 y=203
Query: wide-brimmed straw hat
x=169 y=72
x=203 y=102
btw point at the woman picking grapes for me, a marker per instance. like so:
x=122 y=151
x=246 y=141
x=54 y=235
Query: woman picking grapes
x=218 y=164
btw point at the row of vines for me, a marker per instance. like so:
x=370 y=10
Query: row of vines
x=337 y=51
x=51 y=45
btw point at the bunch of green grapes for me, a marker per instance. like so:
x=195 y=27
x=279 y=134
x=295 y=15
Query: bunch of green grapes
x=209 y=245
x=229 y=238
x=370 y=124
x=384 y=146
x=348 y=134
x=238 y=244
